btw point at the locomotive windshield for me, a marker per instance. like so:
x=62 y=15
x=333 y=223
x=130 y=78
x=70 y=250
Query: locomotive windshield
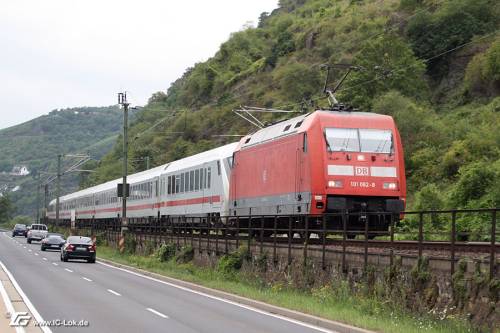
x=364 y=140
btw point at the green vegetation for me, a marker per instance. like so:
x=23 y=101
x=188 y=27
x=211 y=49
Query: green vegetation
x=6 y=209
x=37 y=143
x=335 y=301
x=446 y=105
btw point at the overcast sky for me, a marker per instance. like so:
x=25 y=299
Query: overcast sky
x=61 y=53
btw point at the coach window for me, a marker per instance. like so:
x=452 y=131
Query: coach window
x=186 y=181
x=169 y=185
x=218 y=167
x=177 y=183
x=209 y=174
x=182 y=182
x=191 y=180
x=204 y=177
x=197 y=179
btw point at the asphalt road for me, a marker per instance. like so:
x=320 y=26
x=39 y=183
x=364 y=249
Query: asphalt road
x=115 y=300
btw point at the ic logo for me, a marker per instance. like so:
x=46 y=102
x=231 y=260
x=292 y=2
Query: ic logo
x=19 y=319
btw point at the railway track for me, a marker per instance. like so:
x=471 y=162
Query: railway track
x=402 y=245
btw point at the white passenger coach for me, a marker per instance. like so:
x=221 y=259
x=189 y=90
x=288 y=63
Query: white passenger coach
x=195 y=186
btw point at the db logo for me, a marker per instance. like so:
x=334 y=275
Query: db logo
x=19 y=319
x=361 y=171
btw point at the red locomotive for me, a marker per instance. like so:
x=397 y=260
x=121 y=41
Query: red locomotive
x=323 y=162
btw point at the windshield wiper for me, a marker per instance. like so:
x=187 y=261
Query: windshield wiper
x=327 y=143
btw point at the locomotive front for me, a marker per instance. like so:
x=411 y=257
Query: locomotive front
x=358 y=169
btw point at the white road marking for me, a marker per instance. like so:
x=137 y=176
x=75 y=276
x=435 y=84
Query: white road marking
x=9 y=306
x=317 y=328
x=68 y=270
x=157 y=313
x=86 y=279
x=44 y=258
x=24 y=246
x=36 y=253
x=26 y=300
x=55 y=264
x=114 y=292
x=30 y=250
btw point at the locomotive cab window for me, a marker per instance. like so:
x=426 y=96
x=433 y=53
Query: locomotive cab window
x=375 y=140
x=364 y=140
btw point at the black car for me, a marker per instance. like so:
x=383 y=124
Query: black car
x=78 y=247
x=52 y=242
x=19 y=230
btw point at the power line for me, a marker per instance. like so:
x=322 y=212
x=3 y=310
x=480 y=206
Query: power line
x=395 y=70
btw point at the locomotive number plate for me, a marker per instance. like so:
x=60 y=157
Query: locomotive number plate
x=361 y=171
x=362 y=184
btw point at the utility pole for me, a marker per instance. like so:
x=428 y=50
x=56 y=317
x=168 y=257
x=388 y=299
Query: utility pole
x=58 y=189
x=122 y=100
x=38 y=197
x=45 y=199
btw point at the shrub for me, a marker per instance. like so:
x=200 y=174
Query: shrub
x=232 y=262
x=185 y=255
x=149 y=247
x=130 y=243
x=165 y=252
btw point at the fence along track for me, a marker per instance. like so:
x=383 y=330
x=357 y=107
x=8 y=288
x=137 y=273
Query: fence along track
x=277 y=233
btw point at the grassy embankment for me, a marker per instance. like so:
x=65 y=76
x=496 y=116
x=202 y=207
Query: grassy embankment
x=335 y=303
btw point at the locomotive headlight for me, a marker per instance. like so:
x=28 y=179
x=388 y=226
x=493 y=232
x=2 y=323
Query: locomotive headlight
x=336 y=183
x=361 y=157
x=390 y=186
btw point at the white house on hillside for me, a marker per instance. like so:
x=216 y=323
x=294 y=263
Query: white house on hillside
x=20 y=170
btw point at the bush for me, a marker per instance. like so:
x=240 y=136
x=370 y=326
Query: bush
x=21 y=219
x=388 y=64
x=298 y=81
x=185 y=255
x=483 y=71
x=130 y=243
x=149 y=247
x=165 y=252
x=455 y=23
x=232 y=262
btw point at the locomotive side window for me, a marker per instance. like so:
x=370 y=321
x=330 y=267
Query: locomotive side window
x=169 y=185
x=186 y=184
x=304 y=143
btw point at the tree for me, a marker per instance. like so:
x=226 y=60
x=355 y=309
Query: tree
x=6 y=209
x=298 y=81
x=388 y=64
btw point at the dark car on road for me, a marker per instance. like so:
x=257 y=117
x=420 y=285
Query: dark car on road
x=19 y=230
x=52 y=242
x=78 y=247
